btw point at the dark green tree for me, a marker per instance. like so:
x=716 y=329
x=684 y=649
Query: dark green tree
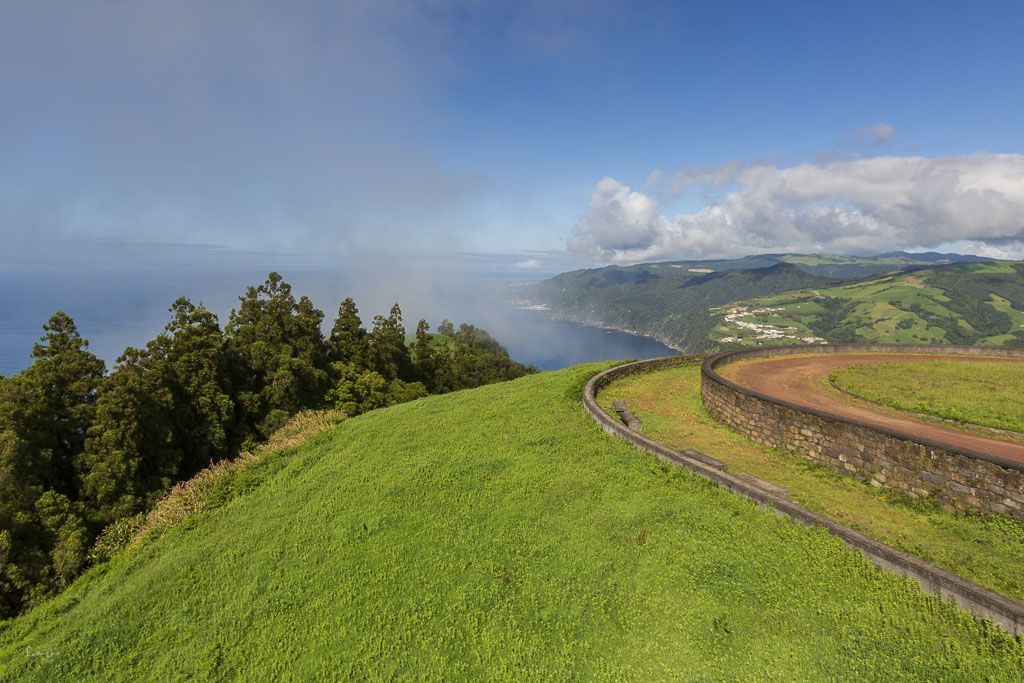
x=54 y=401
x=349 y=343
x=191 y=358
x=423 y=360
x=360 y=391
x=444 y=375
x=130 y=455
x=67 y=538
x=278 y=358
x=24 y=557
x=389 y=356
x=403 y=392
x=45 y=413
x=43 y=534
x=356 y=390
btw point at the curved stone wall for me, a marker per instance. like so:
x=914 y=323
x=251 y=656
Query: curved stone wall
x=1006 y=613
x=921 y=468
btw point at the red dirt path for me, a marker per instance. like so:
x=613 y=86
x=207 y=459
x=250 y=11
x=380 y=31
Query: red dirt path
x=804 y=380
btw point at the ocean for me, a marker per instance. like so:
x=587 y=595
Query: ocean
x=119 y=294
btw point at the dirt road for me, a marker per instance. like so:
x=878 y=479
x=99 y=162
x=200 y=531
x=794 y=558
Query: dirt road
x=804 y=380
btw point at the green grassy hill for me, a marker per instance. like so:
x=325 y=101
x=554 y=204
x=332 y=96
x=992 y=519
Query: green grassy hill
x=494 y=533
x=968 y=303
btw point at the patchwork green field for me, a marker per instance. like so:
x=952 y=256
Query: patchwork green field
x=986 y=394
x=977 y=303
x=494 y=533
x=986 y=550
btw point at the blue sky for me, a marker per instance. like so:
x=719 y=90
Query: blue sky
x=600 y=131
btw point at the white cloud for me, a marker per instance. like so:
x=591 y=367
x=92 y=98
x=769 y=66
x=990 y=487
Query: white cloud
x=528 y=264
x=851 y=206
x=625 y=220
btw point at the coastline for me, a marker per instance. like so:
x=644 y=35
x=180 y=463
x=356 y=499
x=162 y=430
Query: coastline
x=545 y=310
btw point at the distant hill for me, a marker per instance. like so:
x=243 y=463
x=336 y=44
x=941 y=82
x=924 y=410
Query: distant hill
x=935 y=257
x=668 y=301
x=688 y=304
x=856 y=267
x=964 y=303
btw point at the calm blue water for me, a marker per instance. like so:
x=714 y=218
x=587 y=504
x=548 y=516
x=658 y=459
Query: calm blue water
x=554 y=344
x=119 y=297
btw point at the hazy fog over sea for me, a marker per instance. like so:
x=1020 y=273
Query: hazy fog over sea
x=119 y=293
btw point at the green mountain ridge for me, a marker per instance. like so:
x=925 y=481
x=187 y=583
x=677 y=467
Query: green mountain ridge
x=699 y=306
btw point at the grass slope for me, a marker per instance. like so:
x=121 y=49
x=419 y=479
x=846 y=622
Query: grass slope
x=967 y=303
x=495 y=533
x=987 y=394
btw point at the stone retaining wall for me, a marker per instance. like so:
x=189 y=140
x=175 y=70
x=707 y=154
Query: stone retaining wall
x=921 y=468
x=1002 y=611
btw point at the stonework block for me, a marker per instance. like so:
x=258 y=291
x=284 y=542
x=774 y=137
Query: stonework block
x=960 y=481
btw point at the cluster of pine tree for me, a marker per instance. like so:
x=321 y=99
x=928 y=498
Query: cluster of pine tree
x=80 y=449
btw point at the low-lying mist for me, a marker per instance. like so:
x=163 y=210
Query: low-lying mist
x=119 y=293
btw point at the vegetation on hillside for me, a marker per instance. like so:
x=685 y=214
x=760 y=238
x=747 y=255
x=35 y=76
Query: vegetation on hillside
x=980 y=393
x=860 y=267
x=80 y=450
x=977 y=303
x=684 y=303
x=666 y=301
x=493 y=534
x=988 y=550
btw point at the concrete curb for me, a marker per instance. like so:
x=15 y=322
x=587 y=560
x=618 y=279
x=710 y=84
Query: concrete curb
x=1002 y=611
